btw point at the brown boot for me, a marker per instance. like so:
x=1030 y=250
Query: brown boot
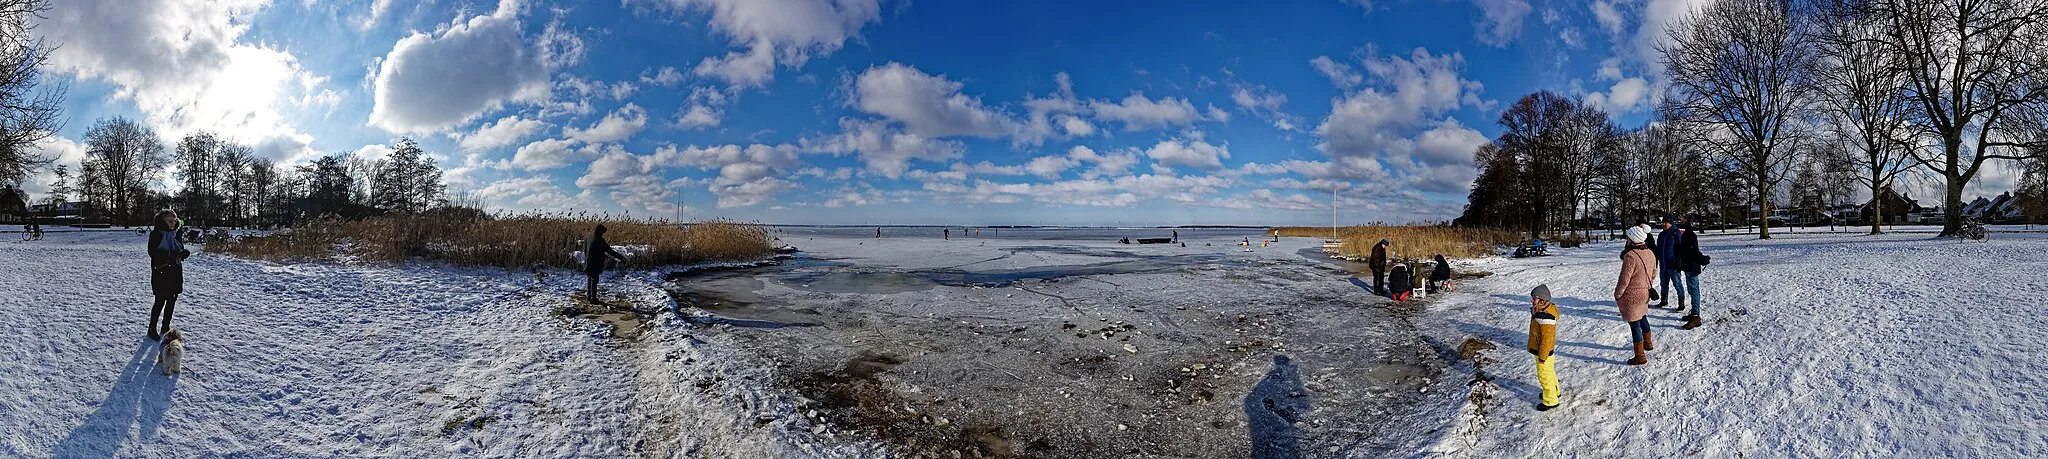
x=1647 y=345
x=1640 y=358
x=1691 y=322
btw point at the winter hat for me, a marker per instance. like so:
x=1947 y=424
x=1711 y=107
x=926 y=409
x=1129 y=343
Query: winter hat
x=1636 y=235
x=600 y=229
x=1541 y=292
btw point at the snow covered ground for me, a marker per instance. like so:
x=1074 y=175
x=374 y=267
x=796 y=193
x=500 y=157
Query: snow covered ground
x=1816 y=344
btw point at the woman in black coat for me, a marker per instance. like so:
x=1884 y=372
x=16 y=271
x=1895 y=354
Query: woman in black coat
x=1438 y=276
x=166 y=270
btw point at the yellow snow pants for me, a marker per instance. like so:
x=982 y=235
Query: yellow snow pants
x=1546 y=375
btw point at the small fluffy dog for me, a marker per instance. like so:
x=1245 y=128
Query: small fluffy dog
x=174 y=351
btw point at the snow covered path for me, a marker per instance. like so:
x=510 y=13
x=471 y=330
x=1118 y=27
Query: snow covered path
x=336 y=360
x=1815 y=345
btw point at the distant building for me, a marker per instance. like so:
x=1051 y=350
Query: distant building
x=2003 y=208
x=13 y=205
x=1897 y=208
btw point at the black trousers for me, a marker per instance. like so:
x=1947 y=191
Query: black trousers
x=1379 y=280
x=590 y=288
x=163 y=307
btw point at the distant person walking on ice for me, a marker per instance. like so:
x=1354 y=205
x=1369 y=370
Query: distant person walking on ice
x=1632 y=291
x=949 y=234
x=1378 y=263
x=166 y=270
x=595 y=253
x=1543 y=341
x=1690 y=262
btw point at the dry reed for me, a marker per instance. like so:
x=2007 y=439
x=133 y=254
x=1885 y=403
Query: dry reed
x=1414 y=242
x=509 y=242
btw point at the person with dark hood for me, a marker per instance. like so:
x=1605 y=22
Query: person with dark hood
x=1690 y=262
x=595 y=253
x=166 y=270
x=1440 y=277
x=1401 y=283
x=1666 y=246
x=1378 y=263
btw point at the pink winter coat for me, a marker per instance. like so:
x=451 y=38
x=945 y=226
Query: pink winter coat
x=1632 y=291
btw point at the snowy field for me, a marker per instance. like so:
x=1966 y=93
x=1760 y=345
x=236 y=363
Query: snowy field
x=1816 y=344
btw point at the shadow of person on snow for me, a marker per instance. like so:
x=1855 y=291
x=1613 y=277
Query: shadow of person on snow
x=1272 y=408
x=140 y=396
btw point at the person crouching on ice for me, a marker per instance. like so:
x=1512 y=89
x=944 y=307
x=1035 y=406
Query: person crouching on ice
x=1400 y=283
x=1542 y=341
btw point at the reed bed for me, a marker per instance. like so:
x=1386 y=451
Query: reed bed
x=1413 y=242
x=514 y=241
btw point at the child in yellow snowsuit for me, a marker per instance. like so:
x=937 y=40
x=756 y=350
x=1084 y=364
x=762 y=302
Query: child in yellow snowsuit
x=1542 y=341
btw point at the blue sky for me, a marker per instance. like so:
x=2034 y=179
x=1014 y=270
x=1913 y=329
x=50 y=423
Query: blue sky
x=865 y=111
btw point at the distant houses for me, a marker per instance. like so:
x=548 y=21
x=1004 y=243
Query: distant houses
x=2001 y=209
x=13 y=205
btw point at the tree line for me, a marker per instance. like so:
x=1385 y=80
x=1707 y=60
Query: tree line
x=223 y=183
x=1802 y=102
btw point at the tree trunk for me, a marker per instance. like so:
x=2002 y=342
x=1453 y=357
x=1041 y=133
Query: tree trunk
x=1952 y=208
x=1877 y=210
x=1763 y=206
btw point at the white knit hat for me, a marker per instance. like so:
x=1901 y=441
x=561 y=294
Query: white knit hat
x=1636 y=234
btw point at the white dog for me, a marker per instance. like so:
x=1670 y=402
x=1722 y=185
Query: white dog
x=174 y=351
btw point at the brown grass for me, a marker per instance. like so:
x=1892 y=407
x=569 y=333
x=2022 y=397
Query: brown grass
x=1414 y=242
x=509 y=242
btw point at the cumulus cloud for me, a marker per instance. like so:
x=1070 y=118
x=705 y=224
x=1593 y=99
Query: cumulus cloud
x=1189 y=153
x=1500 y=20
x=1137 y=112
x=1422 y=86
x=698 y=117
x=59 y=150
x=1608 y=16
x=504 y=132
x=667 y=76
x=548 y=154
x=616 y=126
x=184 y=65
x=1339 y=73
x=926 y=105
x=771 y=33
x=884 y=150
x=1628 y=95
x=429 y=82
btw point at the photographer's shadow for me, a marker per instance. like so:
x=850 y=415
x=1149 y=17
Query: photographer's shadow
x=139 y=397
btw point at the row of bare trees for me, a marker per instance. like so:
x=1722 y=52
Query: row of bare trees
x=224 y=183
x=31 y=109
x=1885 y=85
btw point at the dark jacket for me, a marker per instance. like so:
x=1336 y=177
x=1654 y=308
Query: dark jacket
x=1442 y=271
x=1400 y=280
x=595 y=252
x=1687 y=250
x=1379 y=256
x=166 y=262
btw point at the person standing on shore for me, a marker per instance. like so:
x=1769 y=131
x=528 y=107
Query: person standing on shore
x=1542 y=342
x=166 y=270
x=878 y=232
x=948 y=234
x=1691 y=262
x=1378 y=263
x=595 y=253
x=1632 y=291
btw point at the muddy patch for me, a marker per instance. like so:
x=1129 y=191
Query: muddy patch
x=625 y=323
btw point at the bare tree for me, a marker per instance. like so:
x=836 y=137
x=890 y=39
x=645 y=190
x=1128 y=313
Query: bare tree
x=127 y=156
x=1739 y=72
x=1970 y=66
x=1862 y=85
x=27 y=115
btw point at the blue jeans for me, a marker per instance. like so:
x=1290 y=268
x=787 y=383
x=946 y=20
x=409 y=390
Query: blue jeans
x=1692 y=284
x=1639 y=328
x=1667 y=277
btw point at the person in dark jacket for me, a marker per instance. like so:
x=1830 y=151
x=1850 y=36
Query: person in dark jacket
x=1378 y=263
x=166 y=270
x=1666 y=246
x=1440 y=276
x=595 y=253
x=1402 y=282
x=1690 y=262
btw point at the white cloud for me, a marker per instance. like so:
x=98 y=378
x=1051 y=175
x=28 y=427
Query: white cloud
x=667 y=76
x=1188 y=152
x=926 y=105
x=746 y=175
x=1500 y=20
x=1339 y=74
x=786 y=32
x=1609 y=17
x=1138 y=112
x=1112 y=164
x=885 y=150
x=698 y=116
x=548 y=154
x=430 y=82
x=183 y=64
x=505 y=132
x=616 y=126
x=1059 y=111
x=558 y=47
x=1075 y=126
x=60 y=151
x=1217 y=114
x=1051 y=166
x=1422 y=86
x=1257 y=98
x=1628 y=95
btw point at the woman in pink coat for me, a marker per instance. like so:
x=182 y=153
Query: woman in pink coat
x=1632 y=291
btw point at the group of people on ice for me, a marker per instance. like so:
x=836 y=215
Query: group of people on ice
x=1670 y=257
x=1398 y=281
